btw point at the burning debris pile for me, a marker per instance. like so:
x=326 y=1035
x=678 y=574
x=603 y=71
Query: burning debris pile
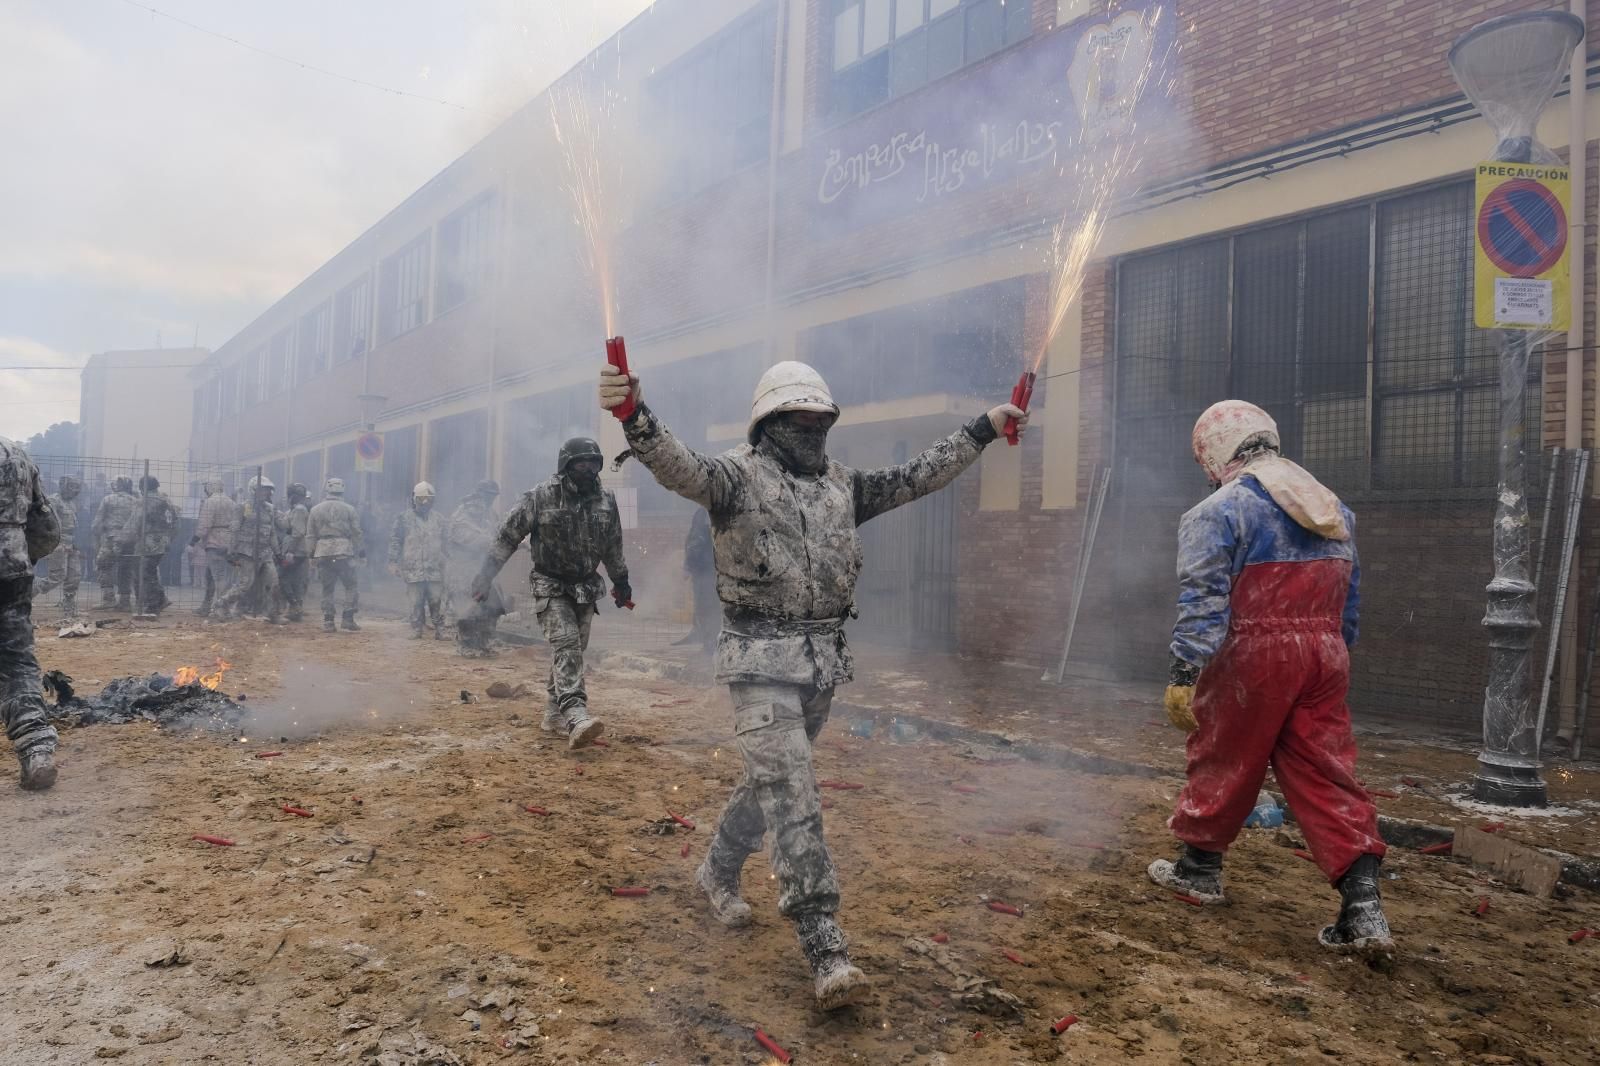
x=188 y=700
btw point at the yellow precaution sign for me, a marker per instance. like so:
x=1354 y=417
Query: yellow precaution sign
x=1521 y=274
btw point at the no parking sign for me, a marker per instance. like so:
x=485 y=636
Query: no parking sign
x=1521 y=276
x=369 y=453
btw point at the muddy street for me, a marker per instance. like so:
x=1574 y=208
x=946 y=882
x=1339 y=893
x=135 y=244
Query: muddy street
x=446 y=897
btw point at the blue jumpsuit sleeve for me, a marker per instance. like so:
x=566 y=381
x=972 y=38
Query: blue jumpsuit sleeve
x=1207 y=545
x=1351 y=626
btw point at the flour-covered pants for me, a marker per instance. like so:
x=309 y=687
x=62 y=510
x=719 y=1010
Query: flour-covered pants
x=1275 y=695
x=21 y=699
x=566 y=624
x=774 y=726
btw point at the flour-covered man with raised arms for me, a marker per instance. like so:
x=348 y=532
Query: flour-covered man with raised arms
x=784 y=521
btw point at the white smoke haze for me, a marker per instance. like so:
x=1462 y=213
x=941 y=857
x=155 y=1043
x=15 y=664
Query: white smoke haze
x=176 y=184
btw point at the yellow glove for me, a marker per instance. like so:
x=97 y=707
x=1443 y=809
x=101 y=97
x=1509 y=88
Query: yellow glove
x=1178 y=701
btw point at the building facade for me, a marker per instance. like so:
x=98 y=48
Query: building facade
x=137 y=404
x=872 y=186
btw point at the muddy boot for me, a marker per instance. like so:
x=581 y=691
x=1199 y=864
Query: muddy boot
x=273 y=619
x=723 y=893
x=38 y=770
x=838 y=984
x=438 y=631
x=349 y=622
x=581 y=729
x=108 y=599
x=551 y=722
x=416 y=632
x=295 y=616
x=1196 y=873
x=327 y=623
x=1361 y=926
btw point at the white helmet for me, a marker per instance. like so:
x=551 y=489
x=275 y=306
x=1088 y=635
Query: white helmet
x=260 y=483
x=422 y=490
x=334 y=487
x=789 y=386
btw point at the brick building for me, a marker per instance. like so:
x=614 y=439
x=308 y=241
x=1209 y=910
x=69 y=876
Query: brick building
x=870 y=185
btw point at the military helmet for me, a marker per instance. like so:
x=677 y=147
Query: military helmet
x=422 y=491
x=122 y=484
x=298 y=489
x=68 y=482
x=262 y=482
x=488 y=487
x=789 y=386
x=576 y=449
x=149 y=483
x=334 y=486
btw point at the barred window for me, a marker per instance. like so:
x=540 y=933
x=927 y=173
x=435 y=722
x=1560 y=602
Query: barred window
x=315 y=336
x=352 y=320
x=466 y=249
x=1281 y=316
x=280 y=363
x=403 y=289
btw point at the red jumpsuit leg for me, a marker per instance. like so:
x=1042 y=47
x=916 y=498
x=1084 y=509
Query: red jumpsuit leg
x=1241 y=701
x=1315 y=762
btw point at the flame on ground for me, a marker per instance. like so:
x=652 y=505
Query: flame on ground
x=190 y=675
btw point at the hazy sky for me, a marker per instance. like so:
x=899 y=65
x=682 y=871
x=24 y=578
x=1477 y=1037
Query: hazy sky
x=161 y=181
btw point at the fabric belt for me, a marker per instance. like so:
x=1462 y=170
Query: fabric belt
x=1285 y=625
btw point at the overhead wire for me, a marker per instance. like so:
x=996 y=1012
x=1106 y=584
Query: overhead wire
x=294 y=62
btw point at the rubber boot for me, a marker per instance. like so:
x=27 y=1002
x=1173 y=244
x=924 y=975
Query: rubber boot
x=38 y=770
x=1361 y=926
x=1196 y=873
x=838 y=983
x=722 y=890
x=581 y=729
x=349 y=622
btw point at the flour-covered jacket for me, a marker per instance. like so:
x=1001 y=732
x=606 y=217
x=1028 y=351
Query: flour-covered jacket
x=1245 y=567
x=473 y=526
x=255 y=532
x=152 y=534
x=570 y=535
x=214 y=527
x=29 y=529
x=334 y=530
x=293 y=529
x=109 y=518
x=66 y=514
x=786 y=548
x=417 y=545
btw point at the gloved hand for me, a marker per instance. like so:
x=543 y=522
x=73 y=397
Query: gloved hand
x=480 y=586
x=1178 y=701
x=998 y=416
x=615 y=390
x=1179 y=698
x=194 y=540
x=622 y=594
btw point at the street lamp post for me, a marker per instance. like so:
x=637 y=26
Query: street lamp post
x=1509 y=67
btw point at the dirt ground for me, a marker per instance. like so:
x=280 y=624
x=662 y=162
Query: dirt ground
x=423 y=915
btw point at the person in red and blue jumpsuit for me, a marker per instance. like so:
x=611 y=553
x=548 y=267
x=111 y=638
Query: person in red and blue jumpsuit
x=1267 y=611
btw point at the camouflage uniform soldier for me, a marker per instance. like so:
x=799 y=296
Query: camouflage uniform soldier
x=147 y=536
x=253 y=550
x=66 y=562
x=334 y=530
x=572 y=526
x=294 y=570
x=214 y=533
x=784 y=520
x=417 y=555
x=472 y=531
x=112 y=567
x=28 y=533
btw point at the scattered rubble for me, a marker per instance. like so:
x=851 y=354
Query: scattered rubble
x=152 y=699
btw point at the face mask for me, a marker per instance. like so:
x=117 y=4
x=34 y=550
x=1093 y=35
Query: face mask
x=585 y=480
x=424 y=506
x=803 y=449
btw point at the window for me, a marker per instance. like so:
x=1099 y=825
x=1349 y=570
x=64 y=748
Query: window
x=403 y=290
x=352 y=320
x=1280 y=316
x=228 y=391
x=280 y=364
x=250 y=382
x=315 y=336
x=712 y=109
x=466 y=251
x=886 y=48
x=967 y=344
